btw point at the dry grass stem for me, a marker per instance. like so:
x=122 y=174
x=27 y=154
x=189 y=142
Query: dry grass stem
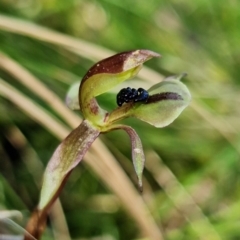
x=37 y=87
x=182 y=200
x=77 y=46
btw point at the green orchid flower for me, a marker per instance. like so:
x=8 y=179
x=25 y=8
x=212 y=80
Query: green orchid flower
x=165 y=102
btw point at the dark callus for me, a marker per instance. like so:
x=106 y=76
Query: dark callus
x=128 y=94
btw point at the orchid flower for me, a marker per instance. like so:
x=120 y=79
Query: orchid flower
x=165 y=101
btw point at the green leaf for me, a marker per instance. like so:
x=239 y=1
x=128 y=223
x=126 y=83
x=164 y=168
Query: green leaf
x=66 y=157
x=166 y=101
x=105 y=75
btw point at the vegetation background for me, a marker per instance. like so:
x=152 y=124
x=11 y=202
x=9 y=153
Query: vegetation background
x=191 y=180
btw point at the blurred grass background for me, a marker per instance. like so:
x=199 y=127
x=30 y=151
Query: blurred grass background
x=191 y=180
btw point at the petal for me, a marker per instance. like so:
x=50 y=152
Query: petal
x=138 y=157
x=105 y=75
x=166 y=101
x=71 y=99
x=67 y=155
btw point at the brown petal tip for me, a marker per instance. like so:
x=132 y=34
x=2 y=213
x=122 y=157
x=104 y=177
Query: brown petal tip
x=138 y=57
